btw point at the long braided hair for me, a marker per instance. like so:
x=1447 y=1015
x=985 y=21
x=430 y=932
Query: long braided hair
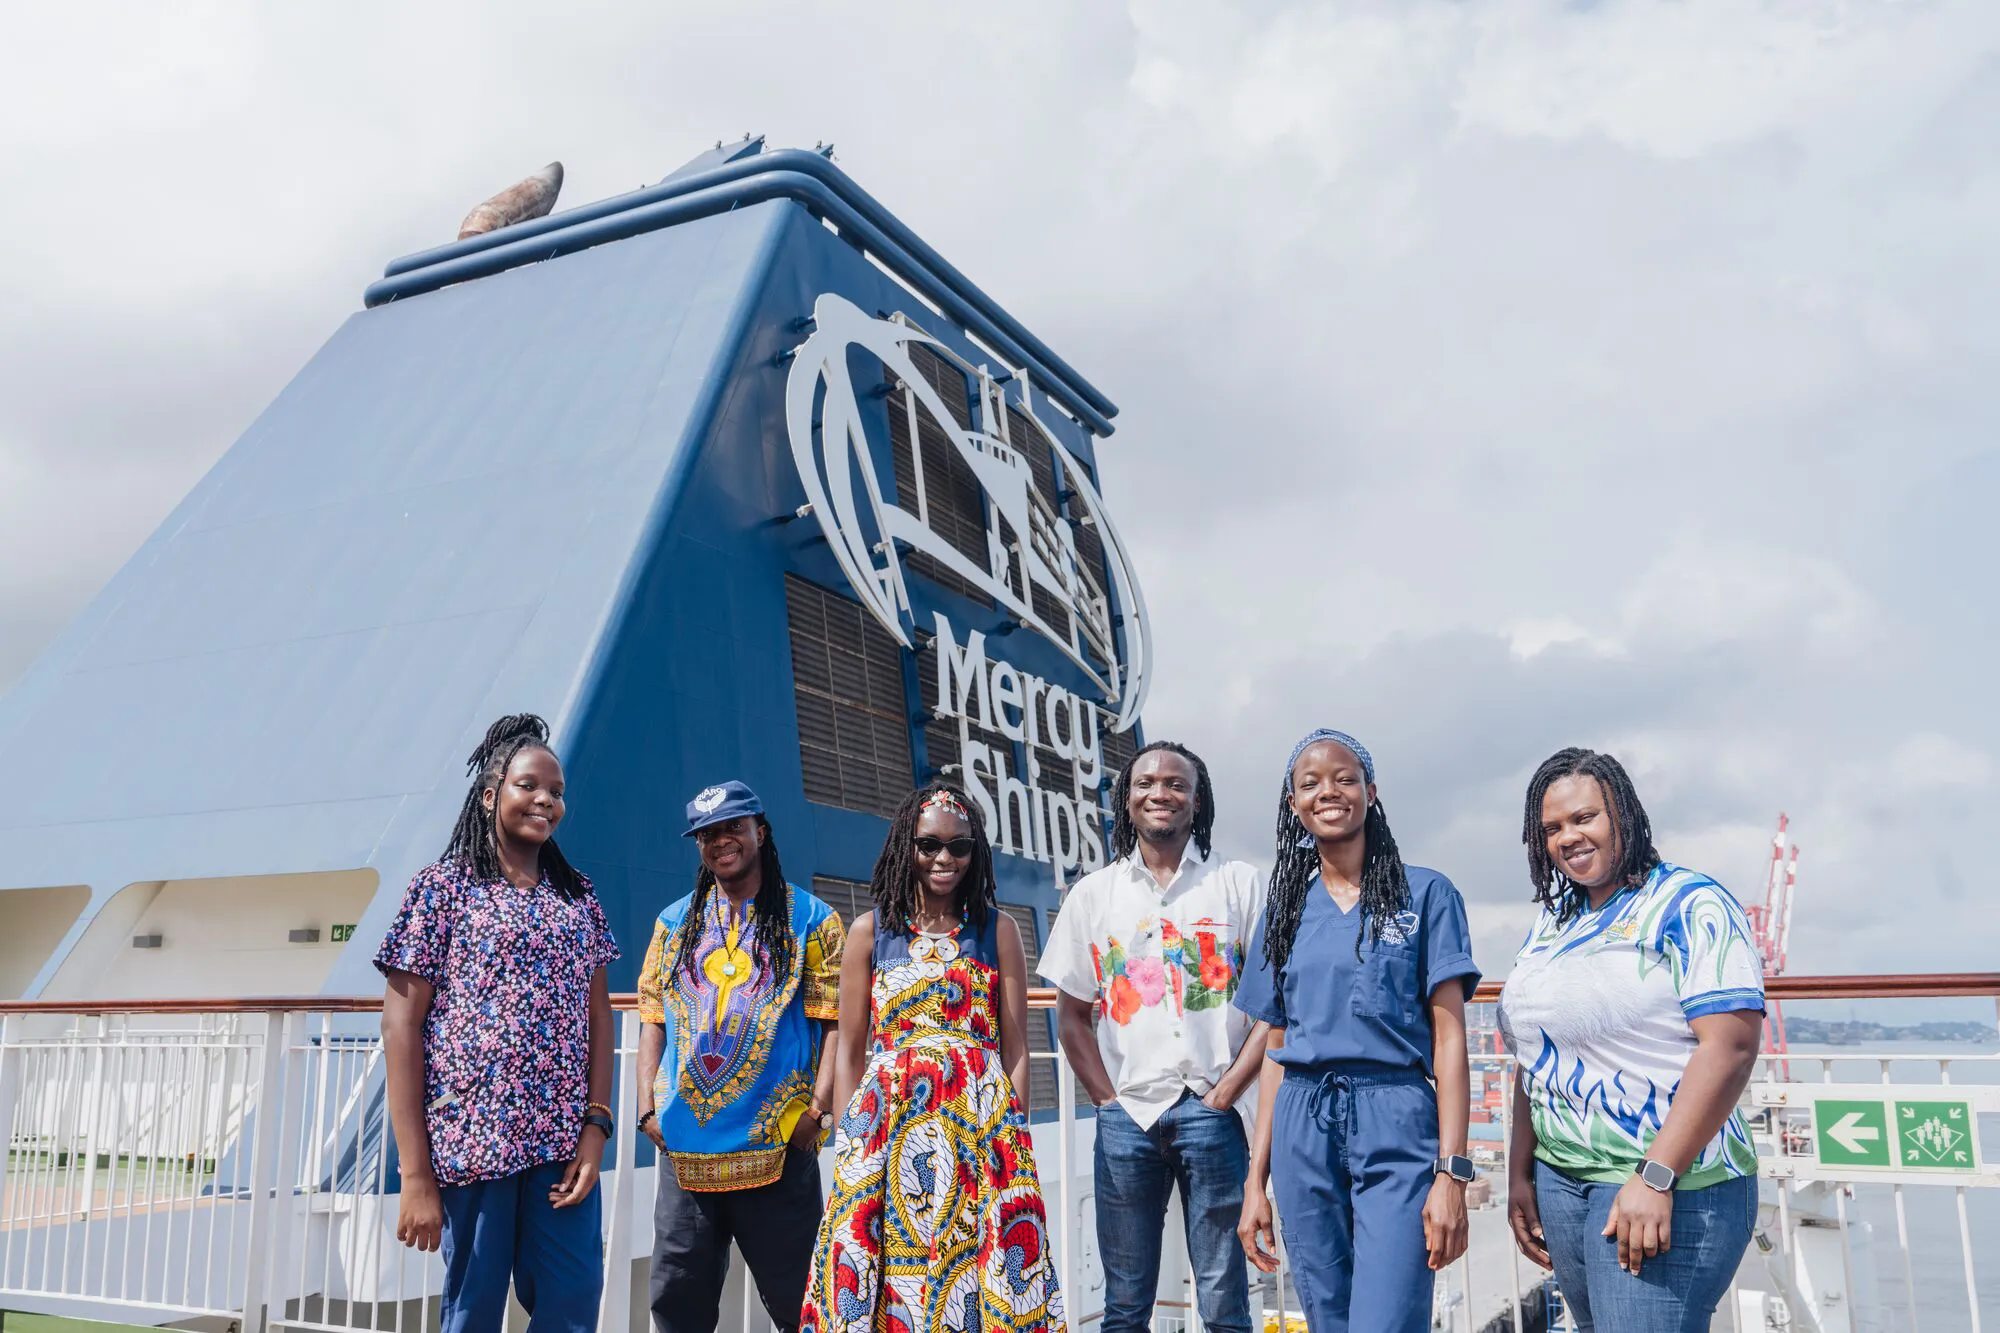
x=1637 y=856
x=770 y=912
x=475 y=839
x=1385 y=885
x=1124 y=837
x=894 y=884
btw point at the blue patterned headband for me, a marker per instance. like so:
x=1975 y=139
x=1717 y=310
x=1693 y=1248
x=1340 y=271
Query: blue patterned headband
x=1339 y=737
x=1329 y=734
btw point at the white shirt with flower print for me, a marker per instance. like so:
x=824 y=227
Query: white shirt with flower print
x=1161 y=965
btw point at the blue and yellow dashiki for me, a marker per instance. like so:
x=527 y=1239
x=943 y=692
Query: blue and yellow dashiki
x=743 y=1044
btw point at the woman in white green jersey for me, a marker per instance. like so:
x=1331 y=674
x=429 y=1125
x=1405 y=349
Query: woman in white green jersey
x=1635 y=1009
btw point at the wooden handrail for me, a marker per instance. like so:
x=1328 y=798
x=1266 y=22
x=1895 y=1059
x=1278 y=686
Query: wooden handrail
x=1863 y=986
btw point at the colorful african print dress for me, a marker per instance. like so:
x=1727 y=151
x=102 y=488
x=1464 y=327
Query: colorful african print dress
x=935 y=1223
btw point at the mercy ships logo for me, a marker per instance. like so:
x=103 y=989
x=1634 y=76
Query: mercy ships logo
x=1031 y=563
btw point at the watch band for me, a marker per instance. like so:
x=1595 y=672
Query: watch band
x=603 y=1122
x=1457 y=1166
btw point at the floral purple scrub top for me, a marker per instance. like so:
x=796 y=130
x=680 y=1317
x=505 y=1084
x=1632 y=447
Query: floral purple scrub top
x=507 y=1043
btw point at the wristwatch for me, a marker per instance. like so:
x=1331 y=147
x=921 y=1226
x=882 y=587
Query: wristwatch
x=603 y=1122
x=826 y=1122
x=1457 y=1167
x=1658 y=1176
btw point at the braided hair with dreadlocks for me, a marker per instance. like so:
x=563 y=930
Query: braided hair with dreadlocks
x=1124 y=837
x=1636 y=854
x=1385 y=885
x=770 y=911
x=475 y=839
x=895 y=884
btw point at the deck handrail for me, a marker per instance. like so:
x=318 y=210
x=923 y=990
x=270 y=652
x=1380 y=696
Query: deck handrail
x=1857 y=986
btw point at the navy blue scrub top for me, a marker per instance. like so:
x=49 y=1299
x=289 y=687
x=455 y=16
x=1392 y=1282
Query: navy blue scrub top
x=1368 y=1015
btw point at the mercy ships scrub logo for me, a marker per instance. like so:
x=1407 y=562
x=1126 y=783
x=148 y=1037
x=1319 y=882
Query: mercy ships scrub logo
x=1031 y=567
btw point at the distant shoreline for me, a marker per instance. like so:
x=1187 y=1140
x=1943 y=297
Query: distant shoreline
x=1816 y=1032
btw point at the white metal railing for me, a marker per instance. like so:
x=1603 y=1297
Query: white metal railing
x=236 y=1165
x=132 y=1158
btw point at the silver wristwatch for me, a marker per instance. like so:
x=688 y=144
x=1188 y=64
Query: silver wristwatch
x=1658 y=1176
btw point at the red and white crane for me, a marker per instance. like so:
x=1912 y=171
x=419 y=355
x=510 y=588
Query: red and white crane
x=1771 y=925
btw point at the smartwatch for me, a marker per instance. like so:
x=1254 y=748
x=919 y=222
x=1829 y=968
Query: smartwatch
x=1457 y=1167
x=1658 y=1176
x=603 y=1122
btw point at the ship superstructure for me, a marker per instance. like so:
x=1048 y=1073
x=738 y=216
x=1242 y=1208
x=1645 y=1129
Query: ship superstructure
x=731 y=477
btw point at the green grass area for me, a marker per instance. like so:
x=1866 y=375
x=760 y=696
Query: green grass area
x=164 y=1172
x=14 y=1322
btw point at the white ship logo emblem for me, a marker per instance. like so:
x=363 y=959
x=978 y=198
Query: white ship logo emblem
x=831 y=448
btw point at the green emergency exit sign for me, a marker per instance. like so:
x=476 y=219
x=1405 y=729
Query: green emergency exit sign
x=1851 y=1133
x=343 y=932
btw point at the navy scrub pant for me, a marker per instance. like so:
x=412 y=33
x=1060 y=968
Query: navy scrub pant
x=496 y=1231
x=1351 y=1166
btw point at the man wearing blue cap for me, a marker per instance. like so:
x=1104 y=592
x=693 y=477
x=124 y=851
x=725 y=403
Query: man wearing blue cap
x=740 y=997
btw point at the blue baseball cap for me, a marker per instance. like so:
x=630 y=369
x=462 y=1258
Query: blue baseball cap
x=720 y=803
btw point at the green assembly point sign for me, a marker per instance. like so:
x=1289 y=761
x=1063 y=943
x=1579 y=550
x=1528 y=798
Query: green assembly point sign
x=1851 y=1133
x=1936 y=1136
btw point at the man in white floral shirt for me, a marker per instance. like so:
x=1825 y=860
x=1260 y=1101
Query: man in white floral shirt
x=1151 y=947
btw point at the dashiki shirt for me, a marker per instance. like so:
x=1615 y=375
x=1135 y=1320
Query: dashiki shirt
x=507 y=1040
x=1161 y=965
x=935 y=1223
x=742 y=1042
x=1597 y=1009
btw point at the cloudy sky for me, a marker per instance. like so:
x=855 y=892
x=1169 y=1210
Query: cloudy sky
x=1494 y=376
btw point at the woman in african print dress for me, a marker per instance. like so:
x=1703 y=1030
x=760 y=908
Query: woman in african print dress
x=935 y=1224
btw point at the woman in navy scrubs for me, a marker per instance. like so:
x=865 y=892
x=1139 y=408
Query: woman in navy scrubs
x=1363 y=972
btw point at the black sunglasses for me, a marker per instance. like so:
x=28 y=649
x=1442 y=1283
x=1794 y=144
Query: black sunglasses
x=960 y=848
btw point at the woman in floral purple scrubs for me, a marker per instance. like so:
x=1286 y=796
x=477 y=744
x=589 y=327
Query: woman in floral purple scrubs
x=497 y=1031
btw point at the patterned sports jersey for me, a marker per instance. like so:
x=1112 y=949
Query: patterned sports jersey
x=1597 y=1012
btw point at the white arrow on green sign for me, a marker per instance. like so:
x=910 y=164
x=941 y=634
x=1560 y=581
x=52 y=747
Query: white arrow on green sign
x=1851 y=1133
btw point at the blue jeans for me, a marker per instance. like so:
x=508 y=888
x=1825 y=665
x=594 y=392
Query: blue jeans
x=1675 y=1292
x=1206 y=1154
x=501 y=1230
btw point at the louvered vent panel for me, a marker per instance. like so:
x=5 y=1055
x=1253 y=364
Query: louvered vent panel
x=1118 y=748
x=848 y=897
x=1057 y=773
x=854 y=739
x=955 y=505
x=948 y=380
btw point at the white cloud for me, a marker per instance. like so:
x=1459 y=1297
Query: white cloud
x=1929 y=761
